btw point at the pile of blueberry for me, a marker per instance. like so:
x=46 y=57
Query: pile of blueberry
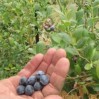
x=34 y=83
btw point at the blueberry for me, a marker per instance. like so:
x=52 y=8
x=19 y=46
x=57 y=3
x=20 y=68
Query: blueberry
x=37 y=86
x=20 y=89
x=44 y=79
x=29 y=90
x=40 y=73
x=52 y=28
x=38 y=77
x=31 y=80
x=23 y=81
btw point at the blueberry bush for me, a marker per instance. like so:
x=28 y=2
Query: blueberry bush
x=26 y=25
x=20 y=24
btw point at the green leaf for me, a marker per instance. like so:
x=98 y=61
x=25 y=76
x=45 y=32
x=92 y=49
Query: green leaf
x=93 y=52
x=88 y=66
x=10 y=65
x=7 y=69
x=96 y=87
x=49 y=9
x=92 y=21
x=61 y=27
x=37 y=6
x=65 y=37
x=66 y=23
x=82 y=42
x=77 y=69
x=11 y=40
x=71 y=14
x=40 y=47
x=89 y=79
x=31 y=50
x=97 y=71
x=89 y=51
x=59 y=12
x=96 y=2
x=55 y=38
x=85 y=89
x=79 y=16
x=95 y=10
x=81 y=32
x=13 y=68
x=71 y=50
x=96 y=63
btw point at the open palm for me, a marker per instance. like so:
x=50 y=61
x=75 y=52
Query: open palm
x=54 y=63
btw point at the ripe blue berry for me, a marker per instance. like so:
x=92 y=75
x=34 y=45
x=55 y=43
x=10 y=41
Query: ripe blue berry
x=33 y=83
x=23 y=81
x=31 y=80
x=40 y=73
x=29 y=90
x=37 y=77
x=44 y=79
x=20 y=89
x=52 y=28
x=37 y=86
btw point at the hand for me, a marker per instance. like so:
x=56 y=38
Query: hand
x=54 y=63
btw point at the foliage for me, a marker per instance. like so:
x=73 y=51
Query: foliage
x=17 y=32
x=78 y=34
x=77 y=31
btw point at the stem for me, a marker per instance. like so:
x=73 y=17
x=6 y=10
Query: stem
x=84 y=58
x=82 y=2
x=78 y=77
x=81 y=55
x=85 y=22
x=92 y=20
x=36 y=29
x=71 y=91
x=37 y=38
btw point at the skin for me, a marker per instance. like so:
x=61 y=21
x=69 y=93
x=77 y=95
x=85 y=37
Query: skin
x=56 y=66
